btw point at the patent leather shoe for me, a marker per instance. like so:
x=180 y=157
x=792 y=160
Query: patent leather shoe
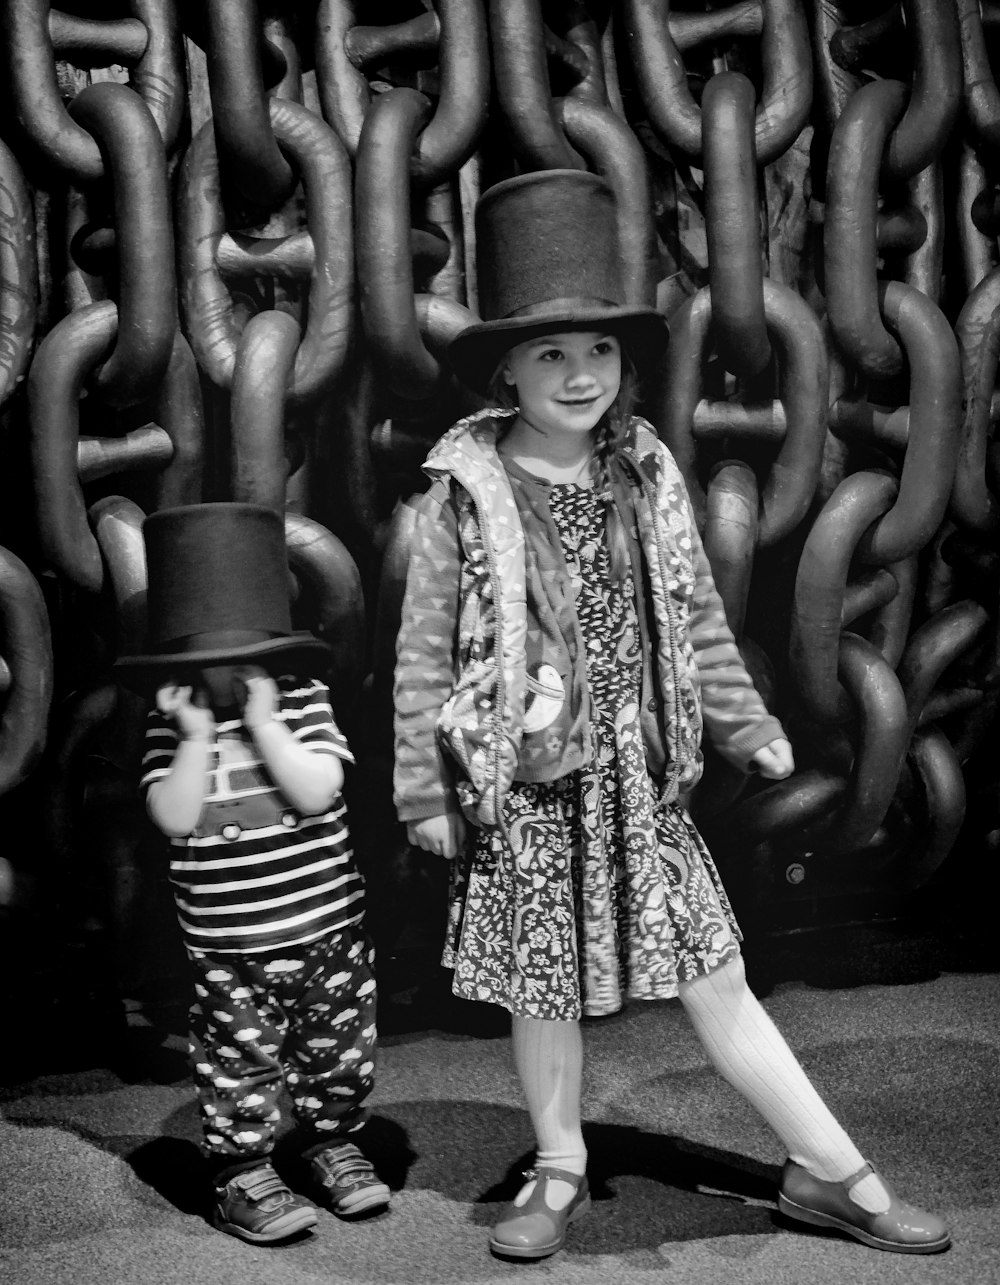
x=533 y=1229
x=901 y=1228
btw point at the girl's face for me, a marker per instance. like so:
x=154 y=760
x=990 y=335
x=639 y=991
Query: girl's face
x=566 y=381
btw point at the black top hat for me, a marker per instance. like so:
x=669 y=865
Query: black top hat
x=218 y=594
x=547 y=258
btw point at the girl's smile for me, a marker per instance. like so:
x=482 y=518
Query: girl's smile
x=565 y=382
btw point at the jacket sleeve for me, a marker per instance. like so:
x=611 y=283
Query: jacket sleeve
x=736 y=718
x=423 y=779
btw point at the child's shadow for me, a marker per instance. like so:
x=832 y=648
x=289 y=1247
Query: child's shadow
x=173 y=1166
x=649 y=1188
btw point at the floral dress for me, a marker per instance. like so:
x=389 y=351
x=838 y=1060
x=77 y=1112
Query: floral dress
x=602 y=893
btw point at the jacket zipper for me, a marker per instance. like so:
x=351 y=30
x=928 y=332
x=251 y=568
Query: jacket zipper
x=500 y=698
x=647 y=490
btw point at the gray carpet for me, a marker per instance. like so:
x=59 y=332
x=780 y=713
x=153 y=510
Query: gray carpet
x=99 y=1180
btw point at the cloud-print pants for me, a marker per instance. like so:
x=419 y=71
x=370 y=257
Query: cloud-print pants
x=304 y=1019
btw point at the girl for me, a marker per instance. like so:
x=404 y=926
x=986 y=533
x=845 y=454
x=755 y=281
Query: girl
x=562 y=645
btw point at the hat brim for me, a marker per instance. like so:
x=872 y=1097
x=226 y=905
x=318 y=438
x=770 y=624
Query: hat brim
x=143 y=674
x=477 y=351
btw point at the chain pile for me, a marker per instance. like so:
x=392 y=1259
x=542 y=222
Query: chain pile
x=236 y=239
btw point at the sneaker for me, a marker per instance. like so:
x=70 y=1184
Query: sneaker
x=255 y=1205
x=351 y=1186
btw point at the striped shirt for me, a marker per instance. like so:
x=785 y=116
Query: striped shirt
x=255 y=875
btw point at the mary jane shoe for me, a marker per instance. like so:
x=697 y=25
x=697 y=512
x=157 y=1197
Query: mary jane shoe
x=901 y=1228
x=534 y=1229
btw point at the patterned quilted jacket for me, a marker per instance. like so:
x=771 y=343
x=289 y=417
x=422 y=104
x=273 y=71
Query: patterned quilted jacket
x=490 y=682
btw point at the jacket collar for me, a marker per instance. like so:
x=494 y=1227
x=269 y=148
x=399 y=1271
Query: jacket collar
x=469 y=448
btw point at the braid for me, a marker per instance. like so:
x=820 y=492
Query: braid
x=610 y=439
x=605 y=452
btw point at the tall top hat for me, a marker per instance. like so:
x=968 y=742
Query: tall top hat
x=547 y=258
x=218 y=594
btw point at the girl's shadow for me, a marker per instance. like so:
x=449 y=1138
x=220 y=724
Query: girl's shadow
x=649 y=1187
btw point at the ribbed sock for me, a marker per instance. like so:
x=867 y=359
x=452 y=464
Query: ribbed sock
x=749 y=1052
x=548 y=1056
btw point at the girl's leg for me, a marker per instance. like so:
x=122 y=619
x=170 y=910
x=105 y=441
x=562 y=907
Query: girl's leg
x=549 y=1059
x=747 y=1050
x=548 y=1056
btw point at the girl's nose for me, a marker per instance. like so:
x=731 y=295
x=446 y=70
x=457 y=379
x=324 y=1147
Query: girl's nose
x=579 y=371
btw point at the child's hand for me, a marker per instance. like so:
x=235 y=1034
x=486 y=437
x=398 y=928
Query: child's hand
x=189 y=710
x=444 y=835
x=257 y=693
x=774 y=760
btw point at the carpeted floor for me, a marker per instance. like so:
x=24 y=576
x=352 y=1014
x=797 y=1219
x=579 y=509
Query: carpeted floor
x=99 y=1177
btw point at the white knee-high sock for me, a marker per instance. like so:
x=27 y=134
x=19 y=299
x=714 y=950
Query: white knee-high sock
x=548 y=1056
x=748 y=1050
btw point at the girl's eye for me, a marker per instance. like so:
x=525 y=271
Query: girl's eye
x=550 y=354
x=604 y=348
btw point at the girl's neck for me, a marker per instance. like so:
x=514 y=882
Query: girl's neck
x=553 y=457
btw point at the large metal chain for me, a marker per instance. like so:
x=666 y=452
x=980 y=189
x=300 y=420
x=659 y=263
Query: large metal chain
x=237 y=241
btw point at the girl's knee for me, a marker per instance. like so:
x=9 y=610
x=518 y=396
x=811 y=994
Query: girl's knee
x=729 y=980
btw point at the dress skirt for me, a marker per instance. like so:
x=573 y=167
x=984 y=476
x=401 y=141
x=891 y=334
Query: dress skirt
x=602 y=894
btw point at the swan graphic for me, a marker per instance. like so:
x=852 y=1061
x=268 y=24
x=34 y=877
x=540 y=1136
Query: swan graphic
x=546 y=696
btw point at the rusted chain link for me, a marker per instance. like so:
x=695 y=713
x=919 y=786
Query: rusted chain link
x=52 y=135
x=456 y=30
x=27 y=668
x=18 y=275
x=206 y=305
x=662 y=80
x=251 y=158
x=135 y=163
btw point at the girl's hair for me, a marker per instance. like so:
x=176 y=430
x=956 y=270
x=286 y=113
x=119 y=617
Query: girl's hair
x=611 y=430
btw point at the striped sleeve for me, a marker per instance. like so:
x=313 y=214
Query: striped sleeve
x=308 y=714
x=158 y=749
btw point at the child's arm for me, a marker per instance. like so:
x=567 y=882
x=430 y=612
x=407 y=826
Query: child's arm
x=736 y=718
x=174 y=801
x=443 y=835
x=310 y=781
x=775 y=760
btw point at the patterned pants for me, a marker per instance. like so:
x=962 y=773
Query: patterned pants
x=303 y=1019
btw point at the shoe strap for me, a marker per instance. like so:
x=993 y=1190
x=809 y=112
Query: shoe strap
x=552 y=1172
x=852 y=1181
x=257 y=1184
x=351 y=1162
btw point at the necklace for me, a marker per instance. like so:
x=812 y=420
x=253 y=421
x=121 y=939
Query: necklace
x=575 y=472
x=582 y=473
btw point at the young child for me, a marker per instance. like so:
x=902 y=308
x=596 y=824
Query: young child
x=562 y=644
x=243 y=771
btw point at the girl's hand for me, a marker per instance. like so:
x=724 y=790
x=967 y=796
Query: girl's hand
x=444 y=835
x=775 y=760
x=189 y=710
x=257 y=693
